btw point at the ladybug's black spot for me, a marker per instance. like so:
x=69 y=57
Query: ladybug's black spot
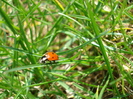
x=52 y=57
x=52 y=53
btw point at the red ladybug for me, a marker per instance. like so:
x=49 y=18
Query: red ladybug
x=49 y=56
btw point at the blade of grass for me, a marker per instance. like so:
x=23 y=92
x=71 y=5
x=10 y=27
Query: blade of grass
x=11 y=5
x=23 y=36
x=8 y=21
x=127 y=13
x=97 y=32
x=59 y=4
x=57 y=21
x=24 y=67
x=84 y=44
x=103 y=89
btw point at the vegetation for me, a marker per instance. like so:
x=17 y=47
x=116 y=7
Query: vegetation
x=92 y=38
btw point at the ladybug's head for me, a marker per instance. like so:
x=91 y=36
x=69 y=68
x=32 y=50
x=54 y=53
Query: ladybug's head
x=43 y=59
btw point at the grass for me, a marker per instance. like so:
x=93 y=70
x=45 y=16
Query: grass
x=92 y=38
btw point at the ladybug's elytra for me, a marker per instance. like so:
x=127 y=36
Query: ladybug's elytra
x=49 y=56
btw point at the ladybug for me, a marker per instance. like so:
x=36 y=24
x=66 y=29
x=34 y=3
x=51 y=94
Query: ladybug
x=49 y=56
